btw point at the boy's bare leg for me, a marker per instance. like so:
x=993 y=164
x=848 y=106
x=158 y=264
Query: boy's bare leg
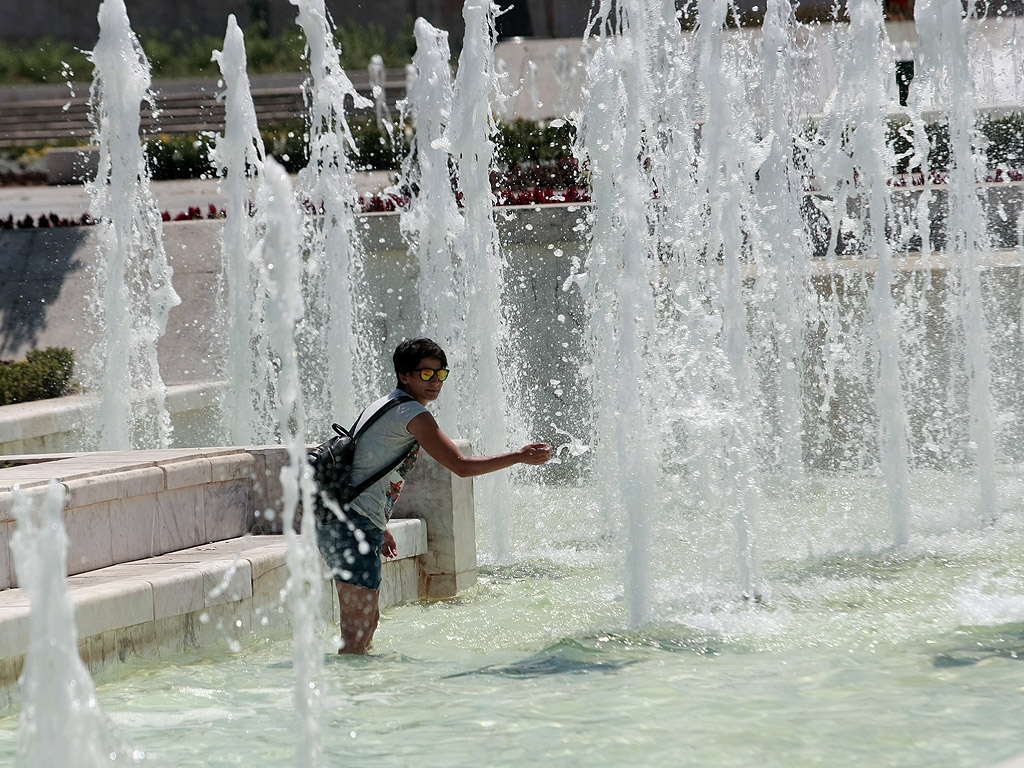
x=360 y=613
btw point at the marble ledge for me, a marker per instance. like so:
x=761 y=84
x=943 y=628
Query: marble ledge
x=243 y=575
x=234 y=461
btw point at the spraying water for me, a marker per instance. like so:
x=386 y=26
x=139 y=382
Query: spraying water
x=431 y=223
x=531 y=84
x=565 y=75
x=944 y=31
x=468 y=138
x=776 y=353
x=62 y=723
x=377 y=72
x=133 y=290
x=779 y=195
x=239 y=155
x=332 y=343
x=859 y=131
x=752 y=317
x=281 y=256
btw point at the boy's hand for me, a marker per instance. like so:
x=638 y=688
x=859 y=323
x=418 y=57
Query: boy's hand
x=389 y=548
x=535 y=453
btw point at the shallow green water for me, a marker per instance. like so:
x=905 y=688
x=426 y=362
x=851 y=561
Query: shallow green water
x=855 y=656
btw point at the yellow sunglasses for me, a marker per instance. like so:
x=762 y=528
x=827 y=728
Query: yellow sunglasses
x=428 y=373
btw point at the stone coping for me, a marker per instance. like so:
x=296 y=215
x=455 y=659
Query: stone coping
x=40 y=418
x=175 y=548
x=34 y=470
x=162 y=599
x=123 y=506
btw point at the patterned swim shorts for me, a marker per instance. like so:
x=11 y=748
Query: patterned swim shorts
x=351 y=549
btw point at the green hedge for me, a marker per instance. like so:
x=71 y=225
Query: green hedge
x=524 y=142
x=1002 y=137
x=188 y=157
x=44 y=373
x=519 y=144
x=180 y=53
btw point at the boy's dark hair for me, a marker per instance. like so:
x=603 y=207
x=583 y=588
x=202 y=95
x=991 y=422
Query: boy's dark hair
x=409 y=353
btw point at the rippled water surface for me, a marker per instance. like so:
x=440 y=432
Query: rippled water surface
x=854 y=655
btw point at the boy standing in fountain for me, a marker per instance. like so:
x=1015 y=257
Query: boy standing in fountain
x=352 y=548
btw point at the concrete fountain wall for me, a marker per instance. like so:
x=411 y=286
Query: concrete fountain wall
x=47 y=275
x=45 y=294
x=44 y=301
x=159 y=538
x=174 y=549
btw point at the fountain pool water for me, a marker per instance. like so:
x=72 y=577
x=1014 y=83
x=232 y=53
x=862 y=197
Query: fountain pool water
x=787 y=403
x=907 y=659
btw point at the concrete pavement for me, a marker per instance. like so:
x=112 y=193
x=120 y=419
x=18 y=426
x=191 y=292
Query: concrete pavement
x=72 y=200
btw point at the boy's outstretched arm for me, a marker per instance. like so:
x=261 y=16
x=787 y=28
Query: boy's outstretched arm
x=435 y=442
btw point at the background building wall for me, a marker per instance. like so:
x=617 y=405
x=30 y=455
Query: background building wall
x=75 y=20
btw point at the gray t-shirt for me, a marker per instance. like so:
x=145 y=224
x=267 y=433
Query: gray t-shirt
x=385 y=441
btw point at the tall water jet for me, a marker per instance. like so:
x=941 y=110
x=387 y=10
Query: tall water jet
x=280 y=254
x=469 y=139
x=863 y=163
x=565 y=74
x=786 y=264
x=62 y=723
x=378 y=93
x=133 y=287
x=432 y=223
x=239 y=157
x=943 y=31
x=617 y=129
x=332 y=339
x=531 y=84
x=698 y=424
x=727 y=168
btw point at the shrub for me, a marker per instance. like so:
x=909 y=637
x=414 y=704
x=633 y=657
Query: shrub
x=186 y=53
x=180 y=157
x=188 y=156
x=377 y=150
x=360 y=42
x=44 y=373
x=44 y=61
x=524 y=142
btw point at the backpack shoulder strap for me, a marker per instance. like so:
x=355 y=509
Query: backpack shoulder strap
x=358 y=429
x=358 y=489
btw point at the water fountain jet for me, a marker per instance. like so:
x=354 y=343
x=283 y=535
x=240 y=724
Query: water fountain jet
x=133 y=281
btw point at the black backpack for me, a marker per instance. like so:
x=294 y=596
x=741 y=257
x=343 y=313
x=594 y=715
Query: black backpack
x=332 y=461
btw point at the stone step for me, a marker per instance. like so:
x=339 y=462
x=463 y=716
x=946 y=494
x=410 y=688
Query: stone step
x=199 y=597
x=34 y=115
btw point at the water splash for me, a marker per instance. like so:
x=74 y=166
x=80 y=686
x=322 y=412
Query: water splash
x=280 y=253
x=62 y=723
x=133 y=290
x=332 y=343
x=239 y=156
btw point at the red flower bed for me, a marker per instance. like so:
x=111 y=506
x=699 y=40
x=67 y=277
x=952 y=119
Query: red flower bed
x=535 y=195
